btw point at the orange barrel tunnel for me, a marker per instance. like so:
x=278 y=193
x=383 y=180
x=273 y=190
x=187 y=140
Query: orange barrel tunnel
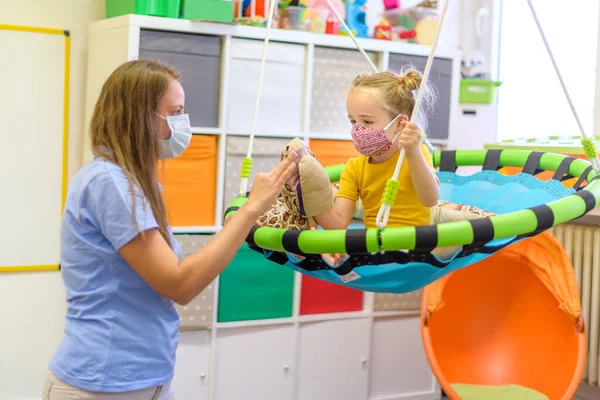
x=509 y=326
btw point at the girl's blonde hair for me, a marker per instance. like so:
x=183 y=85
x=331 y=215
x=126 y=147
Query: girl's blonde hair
x=398 y=92
x=122 y=128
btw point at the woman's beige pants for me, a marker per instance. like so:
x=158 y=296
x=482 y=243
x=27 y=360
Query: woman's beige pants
x=55 y=389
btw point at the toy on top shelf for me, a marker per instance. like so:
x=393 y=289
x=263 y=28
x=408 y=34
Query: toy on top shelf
x=296 y=15
x=416 y=24
x=473 y=66
x=338 y=5
x=391 y=4
x=356 y=18
x=243 y=12
x=383 y=31
x=428 y=4
x=333 y=26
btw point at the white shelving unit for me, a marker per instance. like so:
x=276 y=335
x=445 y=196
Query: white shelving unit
x=374 y=352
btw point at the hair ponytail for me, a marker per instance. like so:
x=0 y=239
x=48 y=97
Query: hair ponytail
x=399 y=92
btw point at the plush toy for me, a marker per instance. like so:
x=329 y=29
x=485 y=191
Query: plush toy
x=308 y=193
x=473 y=66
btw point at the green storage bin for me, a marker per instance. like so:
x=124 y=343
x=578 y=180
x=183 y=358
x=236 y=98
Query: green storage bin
x=478 y=91
x=158 y=8
x=208 y=10
x=253 y=288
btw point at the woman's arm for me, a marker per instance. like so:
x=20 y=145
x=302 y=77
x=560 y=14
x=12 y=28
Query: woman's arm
x=152 y=258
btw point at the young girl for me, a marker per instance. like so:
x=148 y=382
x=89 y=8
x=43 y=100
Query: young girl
x=379 y=108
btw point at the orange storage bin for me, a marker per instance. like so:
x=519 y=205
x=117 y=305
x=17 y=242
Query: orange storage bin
x=332 y=152
x=189 y=184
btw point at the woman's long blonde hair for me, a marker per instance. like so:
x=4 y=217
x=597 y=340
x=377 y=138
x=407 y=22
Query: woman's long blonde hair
x=398 y=92
x=122 y=128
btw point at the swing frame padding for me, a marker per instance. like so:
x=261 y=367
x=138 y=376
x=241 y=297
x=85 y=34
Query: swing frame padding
x=459 y=233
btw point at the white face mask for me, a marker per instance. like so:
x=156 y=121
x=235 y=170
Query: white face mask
x=181 y=135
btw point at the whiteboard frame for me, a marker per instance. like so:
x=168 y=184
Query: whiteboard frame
x=65 y=147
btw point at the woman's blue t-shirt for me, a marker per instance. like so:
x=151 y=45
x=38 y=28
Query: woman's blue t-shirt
x=120 y=334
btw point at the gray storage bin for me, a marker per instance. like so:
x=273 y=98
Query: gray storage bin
x=266 y=154
x=282 y=92
x=333 y=72
x=440 y=77
x=198 y=58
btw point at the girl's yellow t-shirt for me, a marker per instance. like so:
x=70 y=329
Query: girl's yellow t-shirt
x=360 y=178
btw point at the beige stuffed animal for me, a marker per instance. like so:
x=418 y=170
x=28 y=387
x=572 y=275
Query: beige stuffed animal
x=306 y=194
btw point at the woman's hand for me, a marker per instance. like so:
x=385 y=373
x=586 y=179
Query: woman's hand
x=410 y=137
x=267 y=186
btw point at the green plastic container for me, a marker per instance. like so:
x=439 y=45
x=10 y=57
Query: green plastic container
x=157 y=8
x=478 y=91
x=208 y=10
x=254 y=288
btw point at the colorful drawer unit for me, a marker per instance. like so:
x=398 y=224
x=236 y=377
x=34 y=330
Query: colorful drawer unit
x=333 y=72
x=283 y=78
x=198 y=59
x=189 y=183
x=198 y=314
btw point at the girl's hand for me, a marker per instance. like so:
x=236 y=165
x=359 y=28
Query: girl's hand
x=410 y=137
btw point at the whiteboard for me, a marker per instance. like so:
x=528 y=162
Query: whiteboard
x=34 y=83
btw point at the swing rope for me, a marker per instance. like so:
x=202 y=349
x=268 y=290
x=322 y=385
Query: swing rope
x=247 y=161
x=391 y=187
x=587 y=142
x=358 y=46
x=364 y=54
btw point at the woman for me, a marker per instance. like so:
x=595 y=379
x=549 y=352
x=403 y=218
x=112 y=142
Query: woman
x=122 y=267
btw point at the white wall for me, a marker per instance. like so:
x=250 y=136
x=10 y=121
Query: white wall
x=32 y=305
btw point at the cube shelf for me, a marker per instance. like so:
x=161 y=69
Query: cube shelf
x=278 y=334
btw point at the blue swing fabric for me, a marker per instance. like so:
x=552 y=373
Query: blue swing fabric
x=487 y=189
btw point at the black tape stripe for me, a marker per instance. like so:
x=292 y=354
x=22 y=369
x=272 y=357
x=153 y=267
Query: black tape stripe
x=545 y=217
x=356 y=241
x=532 y=163
x=492 y=160
x=230 y=209
x=448 y=161
x=426 y=237
x=346 y=267
x=563 y=168
x=583 y=177
x=289 y=241
x=588 y=198
x=250 y=237
x=483 y=230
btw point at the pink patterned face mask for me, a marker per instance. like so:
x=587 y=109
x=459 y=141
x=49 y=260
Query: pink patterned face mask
x=372 y=142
